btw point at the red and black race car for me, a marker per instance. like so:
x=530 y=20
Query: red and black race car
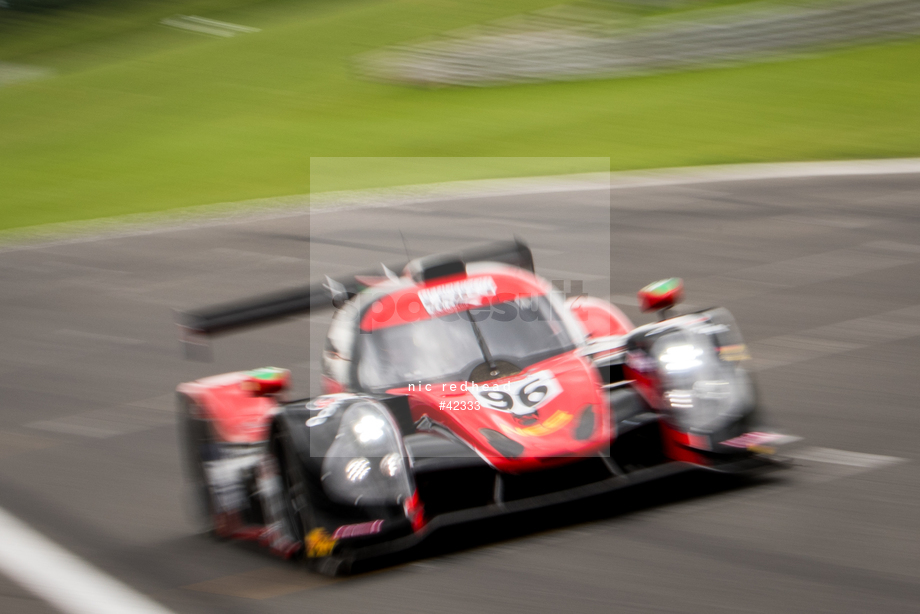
x=464 y=388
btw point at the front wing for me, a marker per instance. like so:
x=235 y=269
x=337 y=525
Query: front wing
x=342 y=556
x=342 y=542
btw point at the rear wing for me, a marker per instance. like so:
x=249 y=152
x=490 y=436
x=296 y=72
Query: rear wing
x=199 y=324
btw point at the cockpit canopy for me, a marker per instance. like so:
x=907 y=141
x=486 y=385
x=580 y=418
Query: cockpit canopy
x=490 y=322
x=503 y=339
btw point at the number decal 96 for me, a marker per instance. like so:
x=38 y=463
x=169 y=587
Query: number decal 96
x=523 y=396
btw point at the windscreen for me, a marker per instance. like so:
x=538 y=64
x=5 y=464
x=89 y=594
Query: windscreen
x=521 y=332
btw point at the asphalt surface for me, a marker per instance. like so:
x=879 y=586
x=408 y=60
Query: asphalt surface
x=823 y=276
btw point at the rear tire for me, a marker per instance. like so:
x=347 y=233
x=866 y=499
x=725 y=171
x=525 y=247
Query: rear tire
x=197 y=442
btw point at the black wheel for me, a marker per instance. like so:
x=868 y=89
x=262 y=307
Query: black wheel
x=639 y=448
x=297 y=514
x=196 y=440
x=638 y=443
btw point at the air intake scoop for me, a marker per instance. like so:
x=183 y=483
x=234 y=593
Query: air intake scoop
x=435 y=267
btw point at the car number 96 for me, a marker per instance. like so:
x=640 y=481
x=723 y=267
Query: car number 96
x=521 y=397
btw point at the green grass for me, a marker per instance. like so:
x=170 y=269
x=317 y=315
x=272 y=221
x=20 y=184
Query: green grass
x=145 y=118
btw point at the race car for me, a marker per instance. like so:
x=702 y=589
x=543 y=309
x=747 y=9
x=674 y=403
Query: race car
x=464 y=387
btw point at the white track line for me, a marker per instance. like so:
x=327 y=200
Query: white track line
x=55 y=575
x=222 y=214
x=843 y=457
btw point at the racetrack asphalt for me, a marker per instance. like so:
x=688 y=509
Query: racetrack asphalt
x=822 y=274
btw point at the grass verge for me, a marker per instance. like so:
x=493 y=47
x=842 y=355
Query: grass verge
x=141 y=118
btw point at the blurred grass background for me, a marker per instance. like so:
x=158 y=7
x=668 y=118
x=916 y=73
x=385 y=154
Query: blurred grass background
x=138 y=117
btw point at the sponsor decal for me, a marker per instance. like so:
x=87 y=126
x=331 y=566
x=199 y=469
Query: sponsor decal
x=550 y=425
x=319 y=543
x=734 y=352
x=459 y=293
x=363 y=529
x=522 y=397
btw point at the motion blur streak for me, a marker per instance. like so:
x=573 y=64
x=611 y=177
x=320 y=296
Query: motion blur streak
x=577 y=44
x=62 y=579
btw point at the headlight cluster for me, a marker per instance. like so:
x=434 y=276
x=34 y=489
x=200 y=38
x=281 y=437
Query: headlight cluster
x=701 y=390
x=365 y=463
x=681 y=357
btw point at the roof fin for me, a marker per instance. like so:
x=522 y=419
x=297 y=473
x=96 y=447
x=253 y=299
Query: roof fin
x=390 y=274
x=336 y=290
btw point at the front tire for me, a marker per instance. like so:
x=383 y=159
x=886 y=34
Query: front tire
x=297 y=513
x=299 y=517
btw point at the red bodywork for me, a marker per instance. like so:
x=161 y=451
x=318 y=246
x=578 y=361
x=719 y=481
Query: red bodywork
x=237 y=413
x=548 y=436
x=572 y=416
x=599 y=318
x=407 y=304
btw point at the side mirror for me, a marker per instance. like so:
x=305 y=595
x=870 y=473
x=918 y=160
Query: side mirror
x=661 y=295
x=265 y=381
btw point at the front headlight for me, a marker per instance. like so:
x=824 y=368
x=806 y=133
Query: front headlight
x=702 y=392
x=681 y=357
x=366 y=462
